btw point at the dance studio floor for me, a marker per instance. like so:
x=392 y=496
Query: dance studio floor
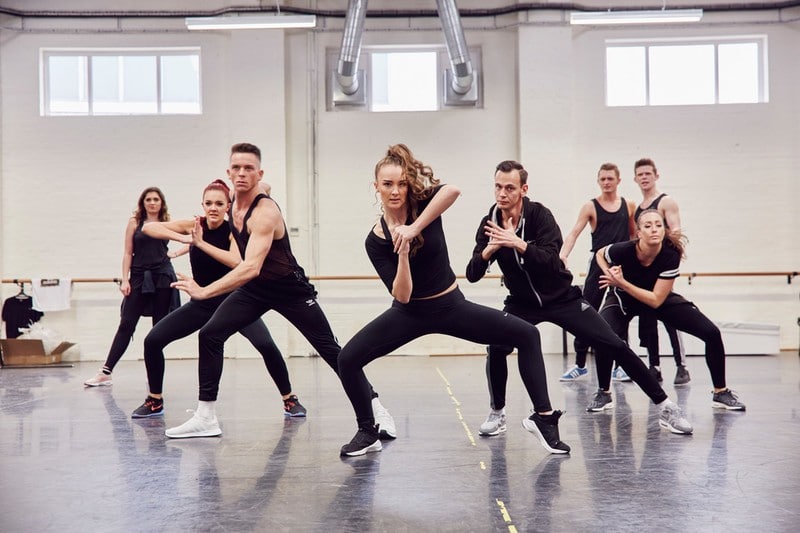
x=72 y=459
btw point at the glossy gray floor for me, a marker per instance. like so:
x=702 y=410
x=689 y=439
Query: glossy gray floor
x=73 y=459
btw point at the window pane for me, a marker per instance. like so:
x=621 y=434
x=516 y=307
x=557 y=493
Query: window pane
x=66 y=85
x=625 y=76
x=180 y=84
x=409 y=83
x=124 y=85
x=681 y=75
x=738 y=73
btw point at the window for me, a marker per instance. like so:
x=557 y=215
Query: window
x=120 y=82
x=403 y=79
x=686 y=72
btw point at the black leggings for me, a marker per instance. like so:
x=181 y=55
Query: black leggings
x=189 y=318
x=240 y=309
x=678 y=313
x=593 y=294
x=648 y=338
x=576 y=316
x=133 y=307
x=452 y=315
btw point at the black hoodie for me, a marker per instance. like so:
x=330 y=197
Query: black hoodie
x=537 y=277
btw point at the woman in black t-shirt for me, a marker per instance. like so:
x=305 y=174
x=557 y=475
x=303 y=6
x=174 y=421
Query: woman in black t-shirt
x=409 y=252
x=212 y=254
x=146 y=276
x=641 y=274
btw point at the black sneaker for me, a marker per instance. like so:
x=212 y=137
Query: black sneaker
x=682 y=376
x=546 y=428
x=727 y=399
x=150 y=407
x=656 y=373
x=292 y=407
x=366 y=440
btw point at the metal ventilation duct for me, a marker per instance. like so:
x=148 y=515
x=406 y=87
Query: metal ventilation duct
x=347 y=76
x=462 y=77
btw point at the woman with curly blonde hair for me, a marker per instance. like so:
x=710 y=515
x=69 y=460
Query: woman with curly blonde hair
x=407 y=248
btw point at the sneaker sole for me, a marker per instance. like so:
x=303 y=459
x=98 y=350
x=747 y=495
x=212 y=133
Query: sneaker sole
x=719 y=405
x=501 y=429
x=562 y=378
x=374 y=447
x=673 y=429
x=160 y=413
x=530 y=425
x=295 y=415
x=681 y=383
x=209 y=433
x=609 y=405
x=385 y=435
x=103 y=384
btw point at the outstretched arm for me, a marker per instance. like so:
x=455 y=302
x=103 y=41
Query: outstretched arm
x=264 y=222
x=174 y=230
x=585 y=216
x=127 y=257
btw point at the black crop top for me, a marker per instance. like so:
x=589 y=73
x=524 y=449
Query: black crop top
x=431 y=272
x=280 y=262
x=205 y=268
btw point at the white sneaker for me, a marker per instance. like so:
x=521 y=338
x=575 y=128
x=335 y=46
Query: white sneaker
x=383 y=420
x=100 y=380
x=495 y=423
x=197 y=426
x=671 y=418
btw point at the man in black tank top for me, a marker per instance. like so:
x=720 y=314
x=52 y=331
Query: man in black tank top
x=610 y=218
x=646 y=176
x=267 y=278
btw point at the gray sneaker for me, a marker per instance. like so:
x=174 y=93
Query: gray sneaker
x=672 y=418
x=602 y=400
x=495 y=423
x=727 y=400
x=682 y=376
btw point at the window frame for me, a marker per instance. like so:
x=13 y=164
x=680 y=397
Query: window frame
x=762 y=54
x=88 y=53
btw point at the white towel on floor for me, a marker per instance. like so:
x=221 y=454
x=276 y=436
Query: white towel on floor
x=52 y=294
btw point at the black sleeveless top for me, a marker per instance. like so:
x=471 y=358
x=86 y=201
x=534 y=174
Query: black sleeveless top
x=205 y=268
x=280 y=263
x=653 y=205
x=148 y=253
x=611 y=227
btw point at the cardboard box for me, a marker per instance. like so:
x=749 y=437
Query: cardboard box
x=30 y=352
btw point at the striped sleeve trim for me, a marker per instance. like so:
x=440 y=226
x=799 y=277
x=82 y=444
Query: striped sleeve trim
x=670 y=274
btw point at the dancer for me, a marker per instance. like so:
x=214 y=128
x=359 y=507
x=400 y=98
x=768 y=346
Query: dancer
x=268 y=277
x=407 y=247
x=610 y=218
x=642 y=273
x=524 y=239
x=212 y=255
x=646 y=176
x=146 y=276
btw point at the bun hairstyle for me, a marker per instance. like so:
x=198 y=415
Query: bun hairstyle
x=218 y=185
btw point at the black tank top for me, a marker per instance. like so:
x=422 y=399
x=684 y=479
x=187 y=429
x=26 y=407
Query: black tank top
x=148 y=253
x=205 y=268
x=280 y=262
x=611 y=227
x=653 y=205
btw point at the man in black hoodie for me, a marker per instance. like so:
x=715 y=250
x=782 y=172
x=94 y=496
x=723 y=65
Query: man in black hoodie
x=523 y=238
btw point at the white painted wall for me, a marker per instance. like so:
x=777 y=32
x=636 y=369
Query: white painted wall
x=69 y=183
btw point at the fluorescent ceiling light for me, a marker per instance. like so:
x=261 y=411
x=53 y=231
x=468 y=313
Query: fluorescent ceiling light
x=656 y=16
x=245 y=22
